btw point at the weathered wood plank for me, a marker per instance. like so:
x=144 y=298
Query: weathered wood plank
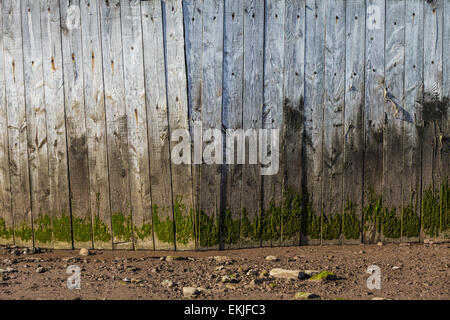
x=76 y=123
x=374 y=118
x=116 y=123
x=394 y=119
x=253 y=100
x=273 y=119
x=178 y=118
x=353 y=122
x=313 y=130
x=6 y=218
x=412 y=148
x=56 y=127
x=139 y=170
x=157 y=119
x=94 y=100
x=232 y=119
x=36 y=124
x=291 y=148
x=432 y=114
x=17 y=123
x=445 y=215
x=333 y=122
x=193 y=22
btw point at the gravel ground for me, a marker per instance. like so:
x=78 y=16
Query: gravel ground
x=408 y=271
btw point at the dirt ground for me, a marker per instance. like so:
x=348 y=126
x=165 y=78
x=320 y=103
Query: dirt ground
x=416 y=271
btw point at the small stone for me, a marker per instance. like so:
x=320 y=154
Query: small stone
x=126 y=280
x=252 y=272
x=229 y=279
x=380 y=243
x=395 y=268
x=190 y=291
x=256 y=282
x=271 y=258
x=40 y=270
x=15 y=252
x=379 y=298
x=132 y=269
x=137 y=281
x=305 y=296
x=84 y=252
x=172 y=258
x=220 y=268
x=311 y=273
x=223 y=259
x=287 y=274
x=168 y=284
x=264 y=274
x=362 y=252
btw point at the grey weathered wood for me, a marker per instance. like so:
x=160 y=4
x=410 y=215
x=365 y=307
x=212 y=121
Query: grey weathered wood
x=273 y=113
x=353 y=118
x=94 y=101
x=116 y=123
x=394 y=111
x=232 y=109
x=139 y=171
x=433 y=88
x=36 y=124
x=412 y=148
x=178 y=104
x=6 y=218
x=333 y=122
x=291 y=148
x=76 y=123
x=374 y=108
x=157 y=113
x=445 y=155
x=17 y=123
x=253 y=100
x=193 y=21
x=56 y=127
x=314 y=100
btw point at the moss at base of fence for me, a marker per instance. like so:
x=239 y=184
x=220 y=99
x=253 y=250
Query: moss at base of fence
x=311 y=227
x=350 y=222
x=143 y=232
x=5 y=232
x=208 y=230
x=121 y=226
x=230 y=228
x=430 y=213
x=62 y=229
x=291 y=215
x=331 y=226
x=250 y=230
x=391 y=225
x=445 y=207
x=101 y=231
x=271 y=223
x=43 y=229
x=23 y=232
x=184 y=223
x=410 y=222
x=82 y=229
x=372 y=213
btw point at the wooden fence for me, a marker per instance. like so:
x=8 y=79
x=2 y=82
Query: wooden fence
x=91 y=91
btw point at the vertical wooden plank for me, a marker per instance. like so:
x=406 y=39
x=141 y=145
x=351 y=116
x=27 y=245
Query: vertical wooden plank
x=232 y=119
x=374 y=119
x=17 y=123
x=56 y=128
x=139 y=170
x=273 y=117
x=157 y=121
x=6 y=218
x=94 y=102
x=178 y=114
x=116 y=124
x=210 y=174
x=353 y=121
x=36 y=124
x=333 y=143
x=253 y=100
x=313 y=130
x=193 y=32
x=292 y=132
x=412 y=128
x=394 y=116
x=432 y=114
x=76 y=123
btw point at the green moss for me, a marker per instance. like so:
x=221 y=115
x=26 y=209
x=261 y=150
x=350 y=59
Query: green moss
x=373 y=213
x=43 y=230
x=82 y=229
x=430 y=213
x=101 y=231
x=271 y=223
x=143 y=232
x=411 y=220
x=350 y=222
x=291 y=215
x=163 y=229
x=121 y=226
x=62 y=229
x=391 y=224
x=331 y=226
x=208 y=230
x=445 y=207
x=250 y=230
x=24 y=232
x=324 y=275
x=184 y=223
x=230 y=228
x=311 y=227
x=5 y=232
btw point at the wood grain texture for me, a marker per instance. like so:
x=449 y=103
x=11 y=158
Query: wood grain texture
x=56 y=127
x=94 y=101
x=76 y=123
x=293 y=107
x=314 y=102
x=6 y=218
x=374 y=110
x=412 y=129
x=353 y=119
x=138 y=158
x=17 y=123
x=116 y=123
x=333 y=122
x=36 y=123
x=178 y=105
x=253 y=100
x=394 y=115
x=157 y=115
